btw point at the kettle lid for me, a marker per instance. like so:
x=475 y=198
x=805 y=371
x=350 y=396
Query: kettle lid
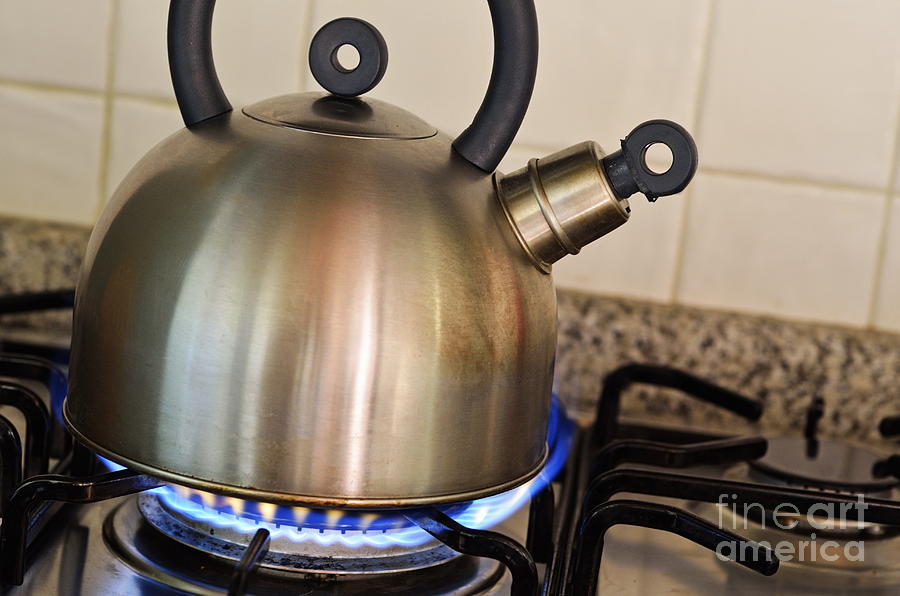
x=340 y=116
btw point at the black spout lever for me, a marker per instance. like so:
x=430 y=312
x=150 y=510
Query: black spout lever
x=627 y=169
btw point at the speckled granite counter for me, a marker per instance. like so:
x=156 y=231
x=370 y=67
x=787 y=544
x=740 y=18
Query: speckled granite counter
x=785 y=364
x=39 y=256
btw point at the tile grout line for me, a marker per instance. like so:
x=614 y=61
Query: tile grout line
x=699 y=103
x=795 y=181
x=884 y=232
x=168 y=102
x=50 y=88
x=108 y=95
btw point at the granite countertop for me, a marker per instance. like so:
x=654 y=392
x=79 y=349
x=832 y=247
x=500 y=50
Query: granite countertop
x=785 y=364
x=39 y=256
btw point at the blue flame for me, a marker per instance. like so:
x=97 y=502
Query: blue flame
x=355 y=529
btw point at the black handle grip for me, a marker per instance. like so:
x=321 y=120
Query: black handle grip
x=197 y=88
x=483 y=143
x=492 y=131
x=627 y=169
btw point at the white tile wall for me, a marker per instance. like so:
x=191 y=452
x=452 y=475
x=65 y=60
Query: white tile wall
x=49 y=153
x=140 y=52
x=794 y=87
x=887 y=311
x=796 y=107
x=257 y=45
x=896 y=172
x=608 y=65
x=790 y=249
x=440 y=54
x=53 y=42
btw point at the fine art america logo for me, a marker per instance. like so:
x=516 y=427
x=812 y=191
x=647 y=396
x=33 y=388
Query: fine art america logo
x=786 y=516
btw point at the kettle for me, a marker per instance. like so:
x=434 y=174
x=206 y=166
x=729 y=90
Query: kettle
x=322 y=300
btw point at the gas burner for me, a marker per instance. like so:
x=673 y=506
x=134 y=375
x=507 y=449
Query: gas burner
x=379 y=543
x=163 y=548
x=822 y=464
x=169 y=532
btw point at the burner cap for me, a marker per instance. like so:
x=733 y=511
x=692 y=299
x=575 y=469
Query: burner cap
x=825 y=464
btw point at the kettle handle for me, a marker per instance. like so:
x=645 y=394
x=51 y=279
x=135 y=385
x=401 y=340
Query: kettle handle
x=483 y=143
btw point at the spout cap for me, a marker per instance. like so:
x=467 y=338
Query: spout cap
x=627 y=169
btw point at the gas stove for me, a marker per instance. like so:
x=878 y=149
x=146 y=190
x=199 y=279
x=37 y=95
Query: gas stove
x=622 y=506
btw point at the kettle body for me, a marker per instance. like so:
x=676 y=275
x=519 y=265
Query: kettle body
x=295 y=315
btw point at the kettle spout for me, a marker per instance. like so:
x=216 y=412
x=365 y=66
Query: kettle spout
x=560 y=203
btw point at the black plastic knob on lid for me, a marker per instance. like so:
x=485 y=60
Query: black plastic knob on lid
x=327 y=68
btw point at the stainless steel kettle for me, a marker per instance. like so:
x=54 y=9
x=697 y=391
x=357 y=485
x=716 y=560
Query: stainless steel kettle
x=321 y=299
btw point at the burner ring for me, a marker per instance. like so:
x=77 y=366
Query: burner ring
x=161 y=559
x=287 y=551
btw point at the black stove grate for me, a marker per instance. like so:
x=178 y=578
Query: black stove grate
x=611 y=445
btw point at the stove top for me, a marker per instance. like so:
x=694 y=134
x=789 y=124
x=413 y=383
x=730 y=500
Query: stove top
x=623 y=507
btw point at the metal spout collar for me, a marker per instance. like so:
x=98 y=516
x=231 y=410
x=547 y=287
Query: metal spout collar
x=560 y=203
